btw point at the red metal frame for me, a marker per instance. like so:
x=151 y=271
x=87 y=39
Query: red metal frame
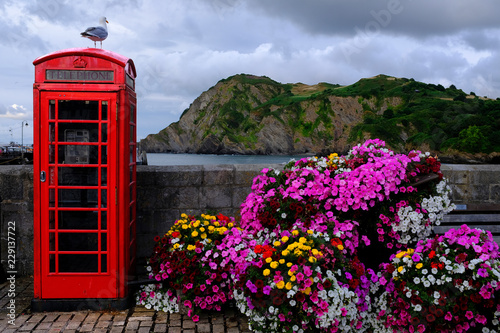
x=75 y=257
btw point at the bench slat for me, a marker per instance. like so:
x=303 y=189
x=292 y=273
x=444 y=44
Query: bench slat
x=464 y=218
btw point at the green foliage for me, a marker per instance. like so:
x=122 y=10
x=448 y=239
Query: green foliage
x=471 y=139
x=425 y=113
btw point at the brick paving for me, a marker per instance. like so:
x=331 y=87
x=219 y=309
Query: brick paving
x=136 y=319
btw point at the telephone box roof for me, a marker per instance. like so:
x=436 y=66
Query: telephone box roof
x=127 y=63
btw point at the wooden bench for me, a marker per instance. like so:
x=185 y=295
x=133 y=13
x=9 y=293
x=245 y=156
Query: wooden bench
x=481 y=216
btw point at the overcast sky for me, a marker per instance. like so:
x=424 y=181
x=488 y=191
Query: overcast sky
x=183 y=47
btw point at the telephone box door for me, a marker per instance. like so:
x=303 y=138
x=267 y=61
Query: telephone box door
x=78 y=152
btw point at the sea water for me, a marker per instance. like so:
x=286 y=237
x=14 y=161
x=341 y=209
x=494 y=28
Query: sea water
x=204 y=159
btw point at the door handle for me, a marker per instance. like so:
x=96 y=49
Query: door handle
x=42 y=176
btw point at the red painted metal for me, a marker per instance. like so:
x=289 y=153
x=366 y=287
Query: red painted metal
x=84 y=107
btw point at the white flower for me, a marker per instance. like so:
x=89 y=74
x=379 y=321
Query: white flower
x=416 y=280
x=418 y=307
x=437 y=294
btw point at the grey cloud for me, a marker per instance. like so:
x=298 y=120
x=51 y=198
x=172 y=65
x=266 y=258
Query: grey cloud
x=415 y=18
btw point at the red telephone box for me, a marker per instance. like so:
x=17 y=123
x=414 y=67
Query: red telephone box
x=84 y=107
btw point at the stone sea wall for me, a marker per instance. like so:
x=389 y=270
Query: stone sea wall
x=164 y=192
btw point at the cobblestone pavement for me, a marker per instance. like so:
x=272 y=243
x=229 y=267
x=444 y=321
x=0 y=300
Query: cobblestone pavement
x=136 y=319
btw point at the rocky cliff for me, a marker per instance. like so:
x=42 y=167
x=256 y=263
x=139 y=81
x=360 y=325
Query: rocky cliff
x=246 y=114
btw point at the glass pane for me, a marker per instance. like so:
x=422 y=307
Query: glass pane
x=85 y=220
x=104 y=110
x=104 y=176
x=52 y=132
x=78 y=154
x=104 y=155
x=104 y=242
x=52 y=219
x=132 y=133
x=77 y=198
x=104 y=198
x=78 y=176
x=52 y=154
x=104 y=220
x=104 y=263
x=85 y=110
x=81 y=132
x=132 y=154
x=52 y=197
x=52 y=109
x=52 y=263
x=78 y=241
x=78 y=263
x=52 y=241
x=132 y=113
x=104 y=132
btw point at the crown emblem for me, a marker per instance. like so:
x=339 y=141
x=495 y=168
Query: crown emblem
x=79 y=63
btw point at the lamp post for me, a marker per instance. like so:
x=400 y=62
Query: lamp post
x=22 y=139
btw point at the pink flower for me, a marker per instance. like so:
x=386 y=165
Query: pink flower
x=481 y=319
x=195 y=318
x=469 y=315
x=448 y=316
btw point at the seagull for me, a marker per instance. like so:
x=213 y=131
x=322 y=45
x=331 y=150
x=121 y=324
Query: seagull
x=97 y=34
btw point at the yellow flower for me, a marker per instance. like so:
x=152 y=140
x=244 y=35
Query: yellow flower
x=190 y=247
x=307 y=291
x=202 y=229
x=302 y=240
x=280 y=284
x=288 y=285
x=400 y=269
x=196 y=224
x=288 y=264
x=340 y=247
x=293 y=278
x=176 y=245
x=312 y=260
x=290 y=273
x=295 y=232
x=419 y=265
x=274 y=264
x=269 y=259
x=184 y=216
x=211 y=229
x=282 y=261
x=266 y=272
x=310 y=232
x=285 y=253
x=185 y=226
x=277 y=243
x=194 y=233
x=284 y=239
x=401 y=254
x=315 y=252
x=203 y=236
x=230 y=225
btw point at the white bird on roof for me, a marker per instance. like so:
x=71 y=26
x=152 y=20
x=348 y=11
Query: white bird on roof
x=97 y=34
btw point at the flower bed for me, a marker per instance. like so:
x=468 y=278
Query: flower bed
x=186 y=259
x=448 y=283
x=304 y=255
